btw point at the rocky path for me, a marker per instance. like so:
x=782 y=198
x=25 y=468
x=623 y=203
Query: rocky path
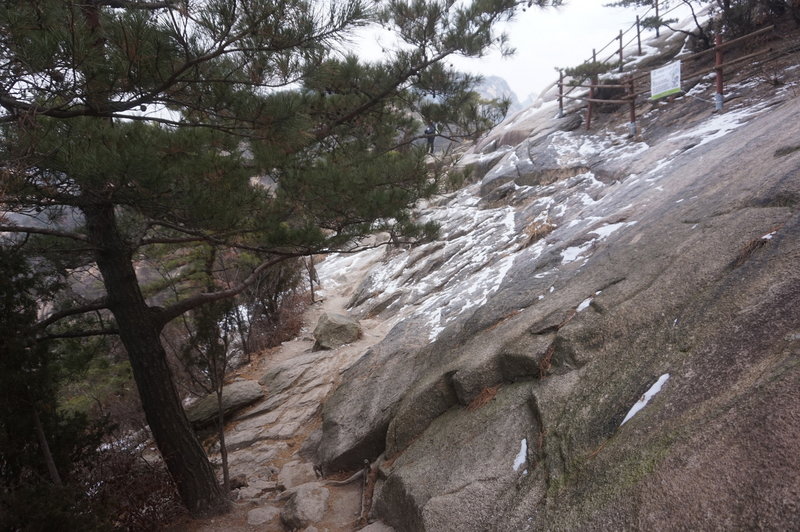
x=266 y=441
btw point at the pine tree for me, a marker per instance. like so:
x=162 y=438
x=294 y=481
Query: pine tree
x=39 y=444
x=134 y=128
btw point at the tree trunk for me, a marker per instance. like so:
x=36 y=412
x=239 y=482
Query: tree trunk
x=139 y=329
x=45 y=448
x=223 y=451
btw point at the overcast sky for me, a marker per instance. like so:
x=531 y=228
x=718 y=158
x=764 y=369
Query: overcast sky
x=549 y=38
x=544 y=39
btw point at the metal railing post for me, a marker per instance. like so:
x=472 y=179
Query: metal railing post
x=719 y=97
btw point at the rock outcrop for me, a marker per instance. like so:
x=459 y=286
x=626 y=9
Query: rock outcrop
x=579 y=271
x=234 y=396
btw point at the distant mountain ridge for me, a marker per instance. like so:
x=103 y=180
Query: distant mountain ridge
x=495 y=87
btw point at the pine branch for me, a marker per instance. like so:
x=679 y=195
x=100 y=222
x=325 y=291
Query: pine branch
x=223 y=47
x=381 y=96
x=195 y=235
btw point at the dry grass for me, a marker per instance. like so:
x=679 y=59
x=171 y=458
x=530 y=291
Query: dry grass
x=536 y=231
x=547 y=360
x=751 y=247
x=540 y=439
x=285 y=325
x=486 y=395
x=786 y=150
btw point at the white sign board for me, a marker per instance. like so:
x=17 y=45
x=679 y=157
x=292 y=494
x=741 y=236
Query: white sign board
x=665 y=80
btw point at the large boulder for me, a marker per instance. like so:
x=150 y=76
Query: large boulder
x=306 y=505
x=335 y=330
x=490 y=450
x=356 y=418
x=234 y=396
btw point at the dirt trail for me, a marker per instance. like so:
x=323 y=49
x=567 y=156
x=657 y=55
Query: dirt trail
x=267 y=436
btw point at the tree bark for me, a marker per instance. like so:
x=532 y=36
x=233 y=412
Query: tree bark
x=45 y=448
x=140 y=330
x=223 y=451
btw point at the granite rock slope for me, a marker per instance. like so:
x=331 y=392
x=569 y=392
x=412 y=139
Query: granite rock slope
x=579 y=271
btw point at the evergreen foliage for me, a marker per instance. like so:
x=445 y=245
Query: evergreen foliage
x=41 y=447
x=589 y=70
x=133 y=130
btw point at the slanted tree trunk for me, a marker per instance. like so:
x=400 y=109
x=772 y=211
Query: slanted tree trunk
x=139 y=329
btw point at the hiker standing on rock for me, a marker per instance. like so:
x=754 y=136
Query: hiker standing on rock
x=430 y=134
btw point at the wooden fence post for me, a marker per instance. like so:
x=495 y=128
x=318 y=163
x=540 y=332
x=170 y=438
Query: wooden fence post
x=639 y=34
x=560 y=93
x=592 y=83
x=719 y=97
x=632 y=96
x=620 y=50
x=658 y=20
x=591 y=97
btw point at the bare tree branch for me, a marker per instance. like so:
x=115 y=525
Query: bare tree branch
x=98 y=304
x=79 y=334
x=43 y=231
x=131 y=4
x=165 y=315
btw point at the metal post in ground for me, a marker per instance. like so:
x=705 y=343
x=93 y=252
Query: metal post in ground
x=560 y=93
x=719 y=97
x=620 y=50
